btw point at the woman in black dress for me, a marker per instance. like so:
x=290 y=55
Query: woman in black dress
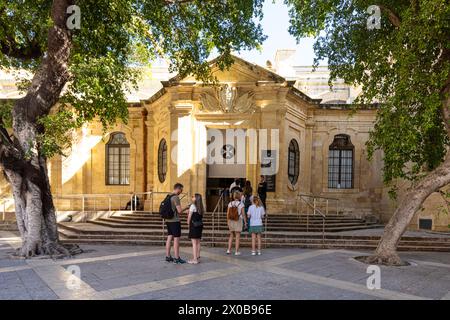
x=262 y=191
x=195 y=222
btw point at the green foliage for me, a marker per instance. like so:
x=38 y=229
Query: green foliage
x=404 y=67
x=117 y=37
x=5 y=113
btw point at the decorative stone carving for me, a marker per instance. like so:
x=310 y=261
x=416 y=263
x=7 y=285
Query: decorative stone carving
x=226 y=99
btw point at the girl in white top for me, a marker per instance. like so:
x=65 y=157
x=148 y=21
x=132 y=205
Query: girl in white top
x=256 y=215
x=235 y=226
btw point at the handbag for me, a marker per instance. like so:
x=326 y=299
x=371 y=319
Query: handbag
x=197 y=223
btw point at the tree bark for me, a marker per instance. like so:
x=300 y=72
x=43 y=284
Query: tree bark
x=24 y=165
x=386 y=252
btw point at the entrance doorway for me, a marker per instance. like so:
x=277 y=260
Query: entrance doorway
x=226 y=162
x=214 y=188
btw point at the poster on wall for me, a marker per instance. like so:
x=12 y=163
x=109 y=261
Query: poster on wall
x=269 y=168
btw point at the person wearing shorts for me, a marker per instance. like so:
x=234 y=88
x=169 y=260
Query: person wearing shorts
x=256 y=214
x=174 y=226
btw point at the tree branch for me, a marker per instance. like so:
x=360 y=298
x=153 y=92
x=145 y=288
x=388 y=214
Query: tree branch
x=393 y=17
x=53 y=73
x=177 y=1
x=10 y=48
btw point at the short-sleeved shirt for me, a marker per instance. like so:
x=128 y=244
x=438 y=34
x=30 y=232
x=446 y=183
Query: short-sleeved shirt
x=175 y=201
x=256 y=215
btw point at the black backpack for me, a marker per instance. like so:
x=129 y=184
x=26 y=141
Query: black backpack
x=165 y=208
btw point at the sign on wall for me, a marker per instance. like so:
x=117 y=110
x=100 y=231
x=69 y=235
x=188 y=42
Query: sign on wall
x=269 y=168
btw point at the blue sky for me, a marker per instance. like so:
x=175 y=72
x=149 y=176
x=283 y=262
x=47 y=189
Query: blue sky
x=275 y=24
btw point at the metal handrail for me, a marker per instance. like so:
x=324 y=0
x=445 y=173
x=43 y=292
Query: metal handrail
x=220 y=204
x=315 y=196
x=327 y=200
x=265 y=228
x=315 y=209
x=3 y=201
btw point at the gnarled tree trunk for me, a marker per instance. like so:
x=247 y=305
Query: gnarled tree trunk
x=35 y=213
x=24 y=165
x=386 y=252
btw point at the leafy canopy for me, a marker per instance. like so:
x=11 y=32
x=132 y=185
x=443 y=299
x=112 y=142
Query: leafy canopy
x=404 y=65
x=116 y=38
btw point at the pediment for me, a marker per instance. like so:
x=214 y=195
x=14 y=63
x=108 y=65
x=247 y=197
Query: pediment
x=240 y=71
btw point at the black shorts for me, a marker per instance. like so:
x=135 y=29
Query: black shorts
x=174 y=229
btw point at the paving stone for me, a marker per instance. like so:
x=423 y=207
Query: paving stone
x=270 y=276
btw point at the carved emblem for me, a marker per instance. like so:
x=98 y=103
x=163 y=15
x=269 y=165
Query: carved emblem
x=225 y=99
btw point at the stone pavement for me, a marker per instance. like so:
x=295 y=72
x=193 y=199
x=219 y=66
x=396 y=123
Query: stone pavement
x=137 y=272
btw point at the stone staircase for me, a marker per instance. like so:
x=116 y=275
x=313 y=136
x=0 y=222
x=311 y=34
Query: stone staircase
x=284 y=230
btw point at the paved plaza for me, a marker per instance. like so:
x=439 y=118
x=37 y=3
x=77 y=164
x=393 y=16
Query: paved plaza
x=137 y=272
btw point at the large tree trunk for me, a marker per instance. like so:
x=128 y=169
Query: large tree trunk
x=35 y=212
x=20 y=157
x=386 y=252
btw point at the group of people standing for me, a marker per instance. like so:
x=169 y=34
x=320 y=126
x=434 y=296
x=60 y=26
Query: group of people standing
x=250 y=213
x=245 y=212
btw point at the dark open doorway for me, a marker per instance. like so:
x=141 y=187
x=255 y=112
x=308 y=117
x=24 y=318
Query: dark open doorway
x=214 y=187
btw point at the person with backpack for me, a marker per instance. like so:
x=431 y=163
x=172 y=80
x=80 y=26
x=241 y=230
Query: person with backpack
x=195 y=223
x=170 y=209
x=235 y=221
x=256 y=215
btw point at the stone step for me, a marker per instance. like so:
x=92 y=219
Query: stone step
x=224 y=223
x=222 y=218
x=223 y=239
x=312 y=228
x=270 y=216
x=273 y=236
x=247 y=243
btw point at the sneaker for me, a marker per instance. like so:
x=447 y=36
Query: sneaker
x=178 y=261
x=253 y=253
x=259 y=253
x=228 y=252
x=169 y=259
x=237 y=253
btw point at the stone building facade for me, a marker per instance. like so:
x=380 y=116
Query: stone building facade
x=318 y=149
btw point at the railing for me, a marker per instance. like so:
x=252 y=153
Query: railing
x=4 y=202
x=304 y=198
x=320 y=206
x=265 y=228
x=99 y=202
x=320 y=202
x=217 y=210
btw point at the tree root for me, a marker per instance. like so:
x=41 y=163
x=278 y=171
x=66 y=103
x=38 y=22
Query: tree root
x=52 y=250
x=392 y=260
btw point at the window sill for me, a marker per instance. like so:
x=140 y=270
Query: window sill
x=342 y=191
x=292 y=187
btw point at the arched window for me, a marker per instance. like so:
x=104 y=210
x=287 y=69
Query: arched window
x=162 y=160
x=118 y=160
x=293 y=161
x=340 y=163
